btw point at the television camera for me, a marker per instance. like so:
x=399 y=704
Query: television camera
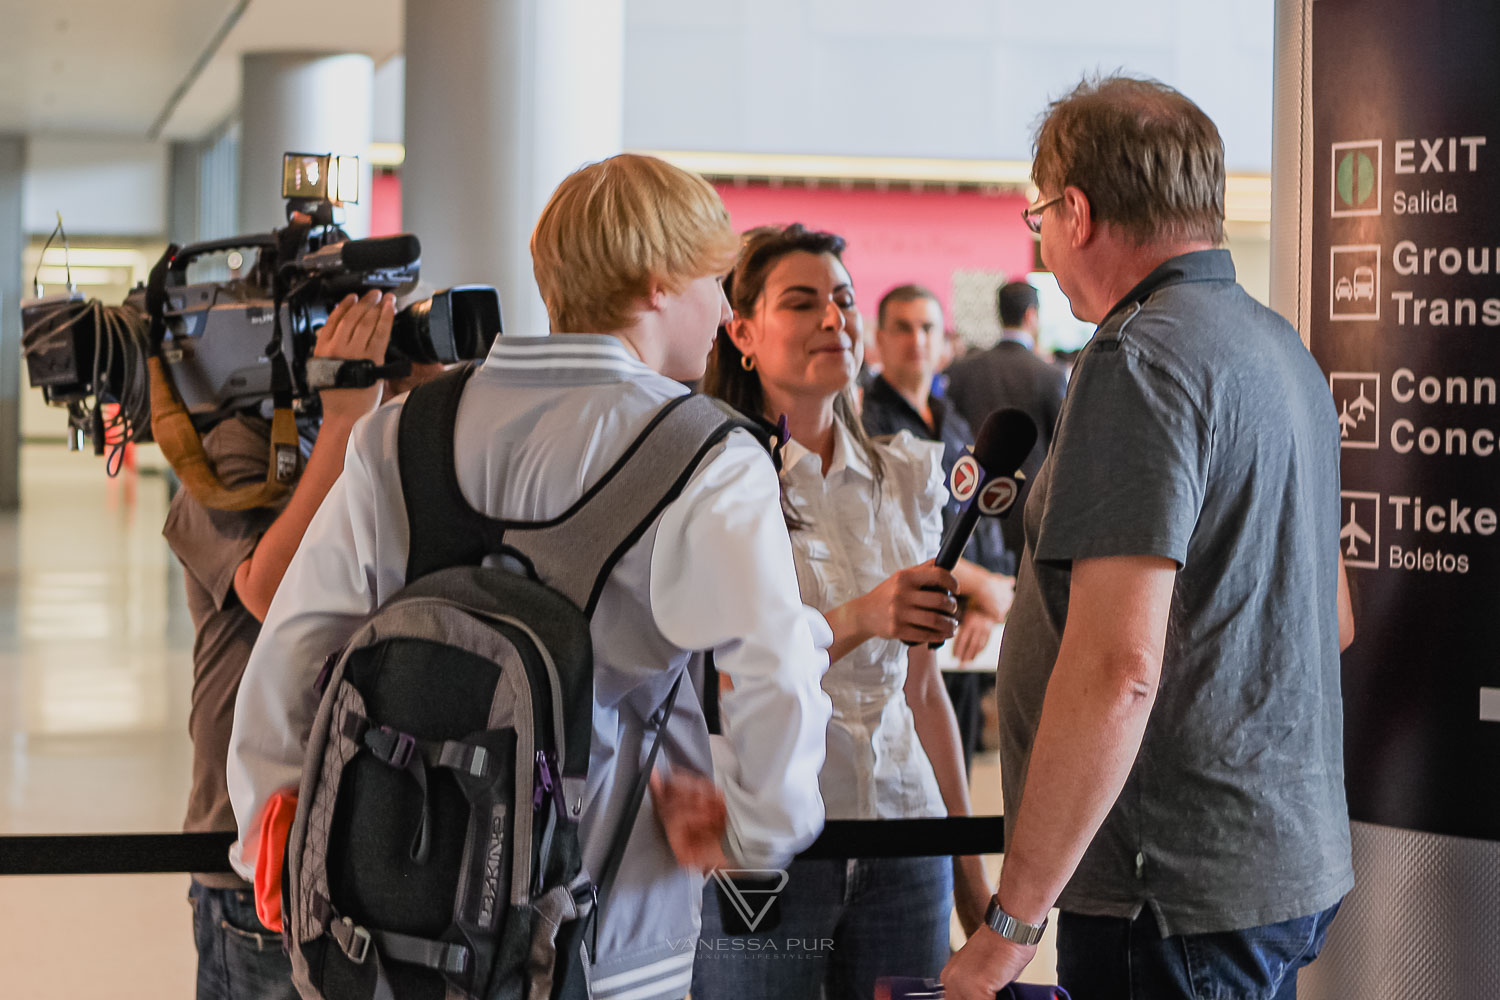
x=229 y=325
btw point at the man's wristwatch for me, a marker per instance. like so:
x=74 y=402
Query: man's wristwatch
x=1008 y=927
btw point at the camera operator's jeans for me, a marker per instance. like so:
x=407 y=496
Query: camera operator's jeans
x=1111 y=958
x=239 y=958
x=834 y=928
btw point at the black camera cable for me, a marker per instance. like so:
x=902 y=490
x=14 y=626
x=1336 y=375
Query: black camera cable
x=122 y=344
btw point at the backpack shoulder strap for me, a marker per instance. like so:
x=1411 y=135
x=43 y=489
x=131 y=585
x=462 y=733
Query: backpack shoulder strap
x=443 y=528
x=574 y=553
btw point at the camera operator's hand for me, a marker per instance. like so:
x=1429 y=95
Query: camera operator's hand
x=359 y=328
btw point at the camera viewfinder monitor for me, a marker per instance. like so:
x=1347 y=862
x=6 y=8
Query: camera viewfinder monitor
x=304 y=175
x=320 y=177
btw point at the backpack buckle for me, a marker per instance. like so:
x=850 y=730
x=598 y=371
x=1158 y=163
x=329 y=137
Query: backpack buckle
x=391 y=745
x=353 y=940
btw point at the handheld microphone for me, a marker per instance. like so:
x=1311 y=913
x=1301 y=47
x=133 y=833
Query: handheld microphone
x=1003 y=442
x=987 y=479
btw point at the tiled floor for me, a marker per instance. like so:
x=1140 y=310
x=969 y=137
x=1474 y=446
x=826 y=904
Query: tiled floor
x=95 y=670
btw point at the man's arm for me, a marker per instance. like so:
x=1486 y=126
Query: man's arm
x=990 y=596
x=992 y=593
x=1093 y=720
x=1346 y=608
x=356 y=329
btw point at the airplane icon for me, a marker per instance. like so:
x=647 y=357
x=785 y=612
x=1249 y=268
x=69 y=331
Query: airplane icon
x=1361 y=404
x=1356 y=535
x=1347 y=421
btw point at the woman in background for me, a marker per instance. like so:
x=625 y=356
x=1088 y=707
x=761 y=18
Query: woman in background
x=865 y=519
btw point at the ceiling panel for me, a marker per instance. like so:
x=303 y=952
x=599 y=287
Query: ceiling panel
x=97 y=66
x=110 y=68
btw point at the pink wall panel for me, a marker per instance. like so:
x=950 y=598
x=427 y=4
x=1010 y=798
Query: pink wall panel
x=895 y=236
x=898 y=236
x=385 y=204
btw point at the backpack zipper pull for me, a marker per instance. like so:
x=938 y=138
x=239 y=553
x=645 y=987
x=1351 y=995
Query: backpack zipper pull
x=544 y=784
x=548 y=784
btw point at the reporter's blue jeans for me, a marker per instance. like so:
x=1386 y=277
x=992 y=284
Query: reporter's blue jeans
x=239 y=958
x=1112 y=958
x=835 y=928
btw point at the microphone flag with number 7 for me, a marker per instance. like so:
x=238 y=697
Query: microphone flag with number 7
x=1004 y=440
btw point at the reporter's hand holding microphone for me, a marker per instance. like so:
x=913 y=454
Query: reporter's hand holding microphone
x=914 y=605
x=989 y=487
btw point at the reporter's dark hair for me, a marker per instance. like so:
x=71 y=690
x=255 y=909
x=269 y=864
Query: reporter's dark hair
x=725 y=376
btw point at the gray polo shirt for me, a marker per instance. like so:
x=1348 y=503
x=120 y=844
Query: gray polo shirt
x=1198 y=428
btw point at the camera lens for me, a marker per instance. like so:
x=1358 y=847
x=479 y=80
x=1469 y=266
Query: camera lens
x=458 y=324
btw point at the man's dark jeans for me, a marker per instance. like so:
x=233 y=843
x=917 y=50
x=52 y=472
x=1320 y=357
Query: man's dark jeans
x=239 y=958
x=1111 y=958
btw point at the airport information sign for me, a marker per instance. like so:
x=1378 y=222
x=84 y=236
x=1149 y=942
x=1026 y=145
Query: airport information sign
x=1406 y=322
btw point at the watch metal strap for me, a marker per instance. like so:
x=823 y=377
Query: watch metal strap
x=1008 y=927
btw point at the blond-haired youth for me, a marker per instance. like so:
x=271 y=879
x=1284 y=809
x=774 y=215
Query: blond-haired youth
x=615 y=231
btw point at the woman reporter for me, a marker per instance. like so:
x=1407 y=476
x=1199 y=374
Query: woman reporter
x=865 y=519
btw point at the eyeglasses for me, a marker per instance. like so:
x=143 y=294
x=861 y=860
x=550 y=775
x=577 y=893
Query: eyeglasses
x=1033 y=215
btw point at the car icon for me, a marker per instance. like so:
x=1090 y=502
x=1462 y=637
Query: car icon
x=1343 y=290
x=1364 y=283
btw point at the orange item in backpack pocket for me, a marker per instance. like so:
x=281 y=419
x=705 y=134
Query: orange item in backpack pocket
x=275 y=827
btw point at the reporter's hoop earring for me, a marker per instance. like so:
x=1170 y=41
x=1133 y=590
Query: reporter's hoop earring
x=747 y=362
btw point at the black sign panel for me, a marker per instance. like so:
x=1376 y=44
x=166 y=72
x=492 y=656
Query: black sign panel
x=1406 y=321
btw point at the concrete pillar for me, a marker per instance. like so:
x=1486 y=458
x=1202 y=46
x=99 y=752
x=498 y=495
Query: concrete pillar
x=184 y=192
x=503 y=100
x=12 y=242
x=301 y=103
x=1291 y=173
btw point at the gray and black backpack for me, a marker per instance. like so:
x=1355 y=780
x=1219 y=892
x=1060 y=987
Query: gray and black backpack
x=435 y=853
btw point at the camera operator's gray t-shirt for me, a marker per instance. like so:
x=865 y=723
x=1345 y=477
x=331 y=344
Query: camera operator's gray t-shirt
x=1198 y=428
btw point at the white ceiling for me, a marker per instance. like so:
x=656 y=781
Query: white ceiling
x=110 y=67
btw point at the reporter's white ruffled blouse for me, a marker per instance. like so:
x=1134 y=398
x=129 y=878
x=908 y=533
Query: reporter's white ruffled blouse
x=876 y=768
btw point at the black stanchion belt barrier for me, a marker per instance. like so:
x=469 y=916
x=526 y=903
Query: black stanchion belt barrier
x=149 y=853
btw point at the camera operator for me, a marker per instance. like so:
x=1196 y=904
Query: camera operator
x=232 y=563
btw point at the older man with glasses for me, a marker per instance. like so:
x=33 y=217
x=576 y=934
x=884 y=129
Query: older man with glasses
x=1170 y=716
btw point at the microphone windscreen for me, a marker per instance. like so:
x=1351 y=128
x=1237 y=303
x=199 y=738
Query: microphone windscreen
x=381 y=252
x=1004 y=440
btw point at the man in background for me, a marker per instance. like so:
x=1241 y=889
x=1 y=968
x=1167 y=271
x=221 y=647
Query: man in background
x=1012 y=374
x=909 y=334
